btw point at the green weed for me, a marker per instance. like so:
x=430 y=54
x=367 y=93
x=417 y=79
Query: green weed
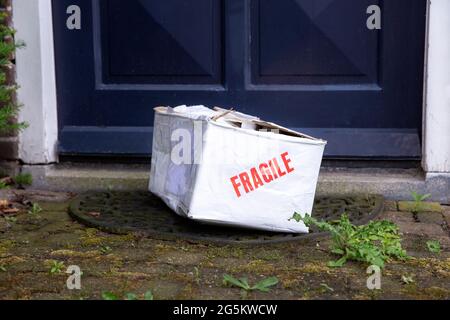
x=434 y=246
x=35 y=209
x=56 y=267
x=105 y=249
x=23 y=179
x=418 y=200
x=374 y=243
x=263 y=285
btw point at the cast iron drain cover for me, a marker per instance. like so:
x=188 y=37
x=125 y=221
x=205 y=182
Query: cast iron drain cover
x=145 y=214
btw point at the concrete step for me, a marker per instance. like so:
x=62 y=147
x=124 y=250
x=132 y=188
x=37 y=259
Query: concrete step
x=392 y=183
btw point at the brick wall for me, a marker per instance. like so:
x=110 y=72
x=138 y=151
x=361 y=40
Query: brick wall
x=8 y=142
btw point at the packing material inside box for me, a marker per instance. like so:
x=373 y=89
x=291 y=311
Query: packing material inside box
x=225 y=167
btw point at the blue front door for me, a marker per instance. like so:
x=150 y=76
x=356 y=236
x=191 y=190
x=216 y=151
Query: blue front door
x=311 y=65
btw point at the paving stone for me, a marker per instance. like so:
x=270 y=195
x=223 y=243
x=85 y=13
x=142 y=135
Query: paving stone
x=446 y=215
x=39 y=196
x=431 y=217
x=166 y=290
x=408 y=225
x=396 y=216
x=423 y=229
x=181 y=258
x=4 y=225
x=7 y=194
x=54 y=206
x=445 y=242
x=390 y=206
x=410 y=206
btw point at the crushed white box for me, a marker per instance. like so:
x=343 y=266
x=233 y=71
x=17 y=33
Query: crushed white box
x=225 y=167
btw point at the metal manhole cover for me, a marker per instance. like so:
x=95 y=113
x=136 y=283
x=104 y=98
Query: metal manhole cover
x=143 y=213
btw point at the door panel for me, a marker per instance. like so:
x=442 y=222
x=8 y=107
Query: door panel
x=166 y=41
x=312 y=42
x=311 y=65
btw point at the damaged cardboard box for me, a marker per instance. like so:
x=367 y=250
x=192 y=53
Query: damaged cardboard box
x=225 y=167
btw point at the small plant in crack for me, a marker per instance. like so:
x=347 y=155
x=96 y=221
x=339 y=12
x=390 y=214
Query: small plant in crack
x=197 y=275
x=56 y=267
x=374 y=243
x=263 y=285
x=418 y=201
x=35 y=209
x=11 y=219
x=23 y=179
x=434 y=246
x=105 y=249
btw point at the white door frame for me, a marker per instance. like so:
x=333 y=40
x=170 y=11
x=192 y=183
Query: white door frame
x=36 y=77
x=35 y=72
x=436 y=115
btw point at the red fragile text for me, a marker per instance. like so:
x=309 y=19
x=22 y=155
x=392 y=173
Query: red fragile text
x=265 y=173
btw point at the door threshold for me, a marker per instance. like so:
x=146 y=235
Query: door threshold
x=392 y=183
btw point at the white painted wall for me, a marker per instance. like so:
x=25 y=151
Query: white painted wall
x=36 y=78
x=437 y=98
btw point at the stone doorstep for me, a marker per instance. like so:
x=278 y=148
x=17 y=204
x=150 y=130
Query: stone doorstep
x=393 y=184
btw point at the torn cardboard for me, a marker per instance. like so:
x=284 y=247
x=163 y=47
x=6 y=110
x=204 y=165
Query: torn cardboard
x=225 y=167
